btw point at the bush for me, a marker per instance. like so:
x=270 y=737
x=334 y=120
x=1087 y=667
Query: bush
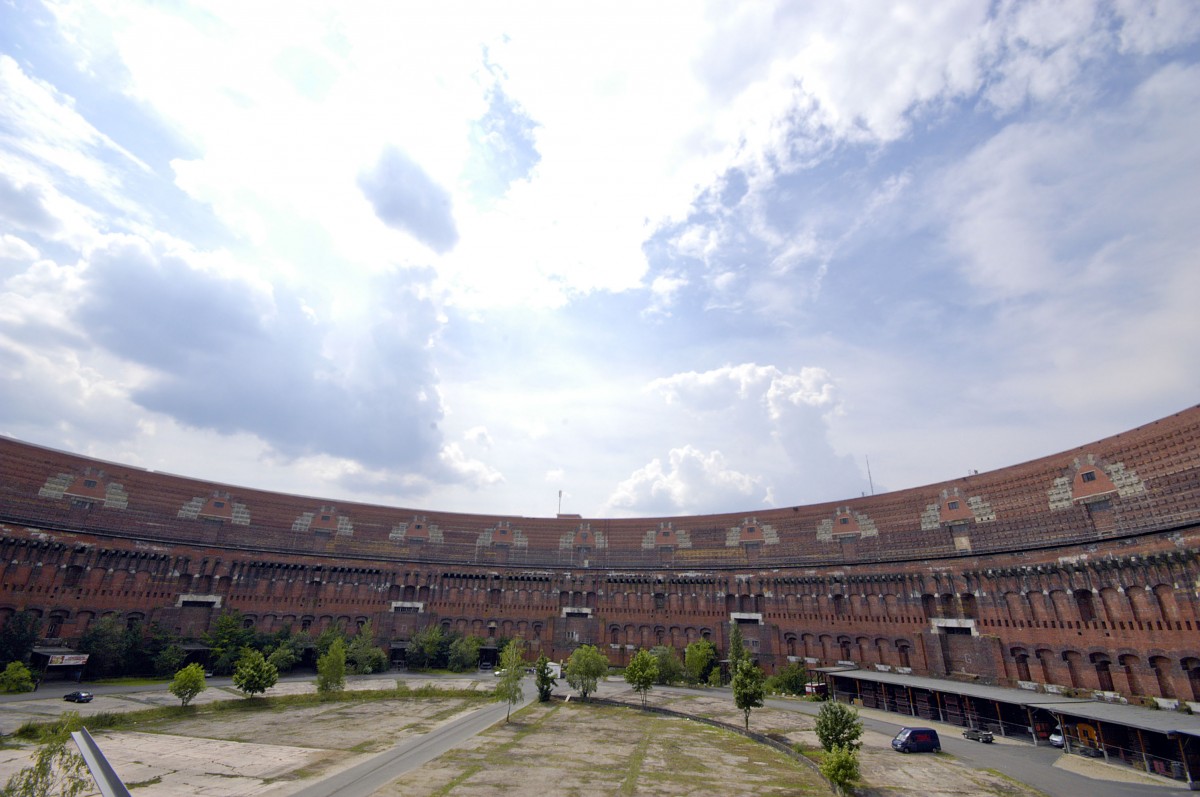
x=840 y=765
x=253 y=673
x=188 y=683
x=16 y=678
x=838 y=725
x=788 y=681
x=331 y=669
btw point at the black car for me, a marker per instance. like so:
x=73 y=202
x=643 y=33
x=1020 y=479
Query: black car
x=78 y=697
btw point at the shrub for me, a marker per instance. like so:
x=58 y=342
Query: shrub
x=16 y=678
x=838 y=725
x=188 y=683
x=840 y=765
x=331 y=669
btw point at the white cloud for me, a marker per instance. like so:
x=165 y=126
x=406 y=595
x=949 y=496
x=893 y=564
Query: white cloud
x=691 y=482
x=16 y=249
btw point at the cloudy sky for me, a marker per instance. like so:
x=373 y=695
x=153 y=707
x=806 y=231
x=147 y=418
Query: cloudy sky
x=666 y=258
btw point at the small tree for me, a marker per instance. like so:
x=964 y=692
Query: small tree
x=170 y=659
x=512 y=662
x=585 y=668
x=16 y=678
x=331 y=669
x=363 y=655
x=106 y=643
x=737 y=647
x=464 y=653
x=227 y=639
x=748 y=688
x=253 y=673
x=790 y=680
x=283 y=658
x=838 y=725
x=840 y=765
x=670 y=668
x=642 y=672
x=424 y=648
x=20 y=633
x=326 y=638
x=698 y=659
x=544 y=678
x=188 y=683
x=57 y=770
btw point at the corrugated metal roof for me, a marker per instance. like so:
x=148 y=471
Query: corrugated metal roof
x=1169 y=722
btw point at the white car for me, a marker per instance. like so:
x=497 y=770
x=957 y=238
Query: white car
x=498 y=673
x=1056 y=738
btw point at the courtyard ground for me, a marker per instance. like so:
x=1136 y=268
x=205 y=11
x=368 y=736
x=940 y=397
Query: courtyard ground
x=548 y=749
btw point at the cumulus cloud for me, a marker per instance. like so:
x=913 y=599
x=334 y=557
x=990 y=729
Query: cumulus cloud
x=406 y=198
x=773 y=429
x=690 y=482
x=15 y=249
x=225 y=354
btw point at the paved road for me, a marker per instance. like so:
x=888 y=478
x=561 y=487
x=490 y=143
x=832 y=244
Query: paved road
x=371 y=775
x=1019 y=761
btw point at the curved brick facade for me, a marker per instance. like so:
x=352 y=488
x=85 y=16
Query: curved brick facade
x=1078 y=569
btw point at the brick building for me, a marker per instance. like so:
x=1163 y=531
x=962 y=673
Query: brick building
x=1077 y=570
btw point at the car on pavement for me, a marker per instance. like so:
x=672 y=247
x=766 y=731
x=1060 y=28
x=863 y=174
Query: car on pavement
x=1056 y=738
x=78 y=697
x=978 y=735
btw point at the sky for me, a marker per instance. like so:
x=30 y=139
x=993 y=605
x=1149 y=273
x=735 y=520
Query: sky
x=614 y=259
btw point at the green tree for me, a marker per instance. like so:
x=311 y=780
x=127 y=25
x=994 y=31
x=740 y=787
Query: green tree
x=363 y=655
x=285 y=649
x=840 y=765
x=698 y=660
x=737 y=647
x=512 y=662
x=16 y=678
x=642 y=672
x=585 y=668
x=330 y=635
x=464 y=653
x=106 y=643
x=331 y=669
x=544 y=678
x=188 y=683
x=282 y=657
x=749 y=688
x=714 y=676
x=253 y=674
x=670 y=668
x=424 y=647
x=226 y=640
x=169 y=660
x=57 y=770
x=838 y=725
x=791 y=680
x=18 y=637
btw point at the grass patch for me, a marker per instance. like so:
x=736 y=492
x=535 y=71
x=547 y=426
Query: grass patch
x=133 y=681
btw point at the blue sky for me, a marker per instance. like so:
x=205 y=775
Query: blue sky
x=673 y=259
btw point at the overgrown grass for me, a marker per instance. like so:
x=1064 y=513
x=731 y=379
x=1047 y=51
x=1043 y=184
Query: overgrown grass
x=111 y=720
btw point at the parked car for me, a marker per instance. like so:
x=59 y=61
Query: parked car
x=978 y=735
x=917 y=740
x=1056 y=738
x=78 y=697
